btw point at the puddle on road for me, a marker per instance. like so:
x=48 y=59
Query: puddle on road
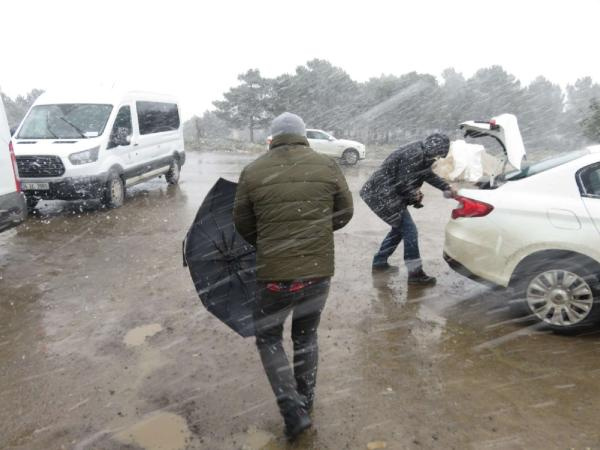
x=430 y=328
x=137 y=336
x=164 y=431
x=253 y=439
x=430 y=315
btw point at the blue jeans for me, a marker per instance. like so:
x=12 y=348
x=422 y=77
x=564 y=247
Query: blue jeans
x=404 y=229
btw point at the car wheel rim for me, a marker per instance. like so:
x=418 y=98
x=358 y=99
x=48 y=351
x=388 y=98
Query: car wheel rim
x=351 y=157
x=116 y=190
x=560 y=297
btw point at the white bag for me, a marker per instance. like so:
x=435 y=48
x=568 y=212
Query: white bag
x=463 y=163
x=468 y=164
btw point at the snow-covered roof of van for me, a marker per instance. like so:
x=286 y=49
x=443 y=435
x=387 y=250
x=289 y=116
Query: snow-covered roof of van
x=109 y=96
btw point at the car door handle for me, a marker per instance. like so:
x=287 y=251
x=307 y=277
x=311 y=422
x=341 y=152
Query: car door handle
x=136 y=144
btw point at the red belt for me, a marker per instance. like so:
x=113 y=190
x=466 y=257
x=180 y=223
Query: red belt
x=293 y=286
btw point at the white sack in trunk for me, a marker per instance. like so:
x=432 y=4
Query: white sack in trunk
x=463 y=163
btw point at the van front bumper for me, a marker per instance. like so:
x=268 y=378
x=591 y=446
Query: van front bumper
x=68 y=188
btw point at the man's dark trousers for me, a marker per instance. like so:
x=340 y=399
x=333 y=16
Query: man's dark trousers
x=291 y=387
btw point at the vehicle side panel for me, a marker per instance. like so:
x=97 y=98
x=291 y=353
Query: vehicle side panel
x=542 y=212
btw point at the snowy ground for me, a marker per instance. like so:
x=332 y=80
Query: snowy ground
x=103 y=343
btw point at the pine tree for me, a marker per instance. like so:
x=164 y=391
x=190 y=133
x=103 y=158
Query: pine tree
x=247 y=105
x=591 y=125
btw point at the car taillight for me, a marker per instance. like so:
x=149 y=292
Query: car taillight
x=467 y=207
x=269 y=140
x=15 y=168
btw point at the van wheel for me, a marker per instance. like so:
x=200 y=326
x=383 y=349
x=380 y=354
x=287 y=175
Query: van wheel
x=172 y=176
x=564 y=296
x=350 y=157
x=114 y=193
x=32 y=202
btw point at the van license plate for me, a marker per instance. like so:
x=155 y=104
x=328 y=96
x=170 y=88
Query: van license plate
x=35 y=186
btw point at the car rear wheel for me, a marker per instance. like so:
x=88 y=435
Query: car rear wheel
x=563 y=296
x=172 y=176
x=350 y=157
x=114 y=193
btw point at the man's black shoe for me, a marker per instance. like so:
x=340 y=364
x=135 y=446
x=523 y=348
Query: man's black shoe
x=380 y=268
x=296 y=421
x=420 y=278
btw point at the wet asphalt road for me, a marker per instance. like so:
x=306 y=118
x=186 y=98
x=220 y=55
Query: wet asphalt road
x=104 y=345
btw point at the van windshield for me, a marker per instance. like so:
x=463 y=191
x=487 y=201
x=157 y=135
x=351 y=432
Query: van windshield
x=65 y=121
x=542 y=166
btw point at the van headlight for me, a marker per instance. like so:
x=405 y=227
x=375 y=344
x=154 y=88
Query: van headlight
x=84 y=157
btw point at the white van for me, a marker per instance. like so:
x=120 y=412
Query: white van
x=72 y=146
x=12 y=202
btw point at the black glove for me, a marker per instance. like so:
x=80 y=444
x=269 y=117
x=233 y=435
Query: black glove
x=415 y=199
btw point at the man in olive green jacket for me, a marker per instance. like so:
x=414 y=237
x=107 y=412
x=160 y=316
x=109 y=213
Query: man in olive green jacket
x=288 y=203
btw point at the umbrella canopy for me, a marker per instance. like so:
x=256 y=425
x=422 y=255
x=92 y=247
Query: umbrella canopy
x=222 y=264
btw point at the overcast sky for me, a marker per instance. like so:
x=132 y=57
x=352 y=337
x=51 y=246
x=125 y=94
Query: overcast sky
x=196 y=49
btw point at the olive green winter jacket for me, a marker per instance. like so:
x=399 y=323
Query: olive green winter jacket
x=288 y=203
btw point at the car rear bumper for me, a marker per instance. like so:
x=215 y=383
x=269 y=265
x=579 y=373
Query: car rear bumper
x=462 y=270
x=13 y=210
x=476 y=247
x=68 y=188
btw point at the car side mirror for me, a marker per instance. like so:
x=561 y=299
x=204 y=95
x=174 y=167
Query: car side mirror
x=331 y=138
x=121 y=137
x=13 y=130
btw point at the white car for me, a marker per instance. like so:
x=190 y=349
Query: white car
x=534 y=231
x=350 y=152
x=13 y=209
x=95 y=144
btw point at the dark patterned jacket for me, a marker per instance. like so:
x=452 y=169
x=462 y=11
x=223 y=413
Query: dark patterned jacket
x=394 y=186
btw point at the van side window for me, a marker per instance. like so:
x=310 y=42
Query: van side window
x=123 y=123
x=156 y=117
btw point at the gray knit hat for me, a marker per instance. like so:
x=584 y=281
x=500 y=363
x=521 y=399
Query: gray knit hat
x=288 y=123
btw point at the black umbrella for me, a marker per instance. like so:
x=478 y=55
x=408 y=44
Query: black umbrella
x=222 y=264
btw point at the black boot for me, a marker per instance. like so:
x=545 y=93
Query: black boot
x=418 y=277
x=296 y=420
x=384 y=268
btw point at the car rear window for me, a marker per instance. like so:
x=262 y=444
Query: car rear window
x=544 y=165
